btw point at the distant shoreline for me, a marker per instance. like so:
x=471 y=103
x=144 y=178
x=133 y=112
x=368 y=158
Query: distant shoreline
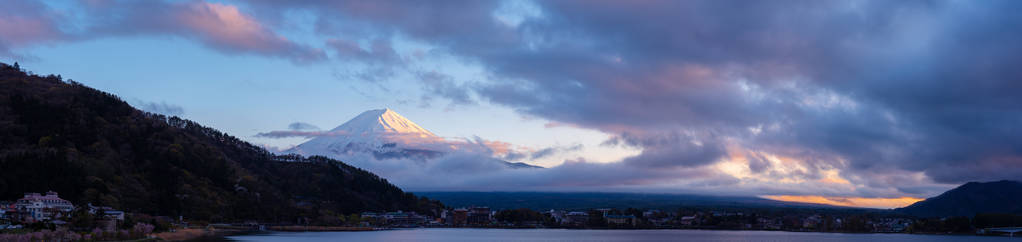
x=297 y=228
x=314 y=229
x=190 y=234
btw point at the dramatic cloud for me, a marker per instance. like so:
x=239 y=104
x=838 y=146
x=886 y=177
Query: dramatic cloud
x=828 y=98
x=865 y=92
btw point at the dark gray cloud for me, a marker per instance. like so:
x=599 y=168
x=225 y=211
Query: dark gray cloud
x=280 y=134
x=379 y=51
x=381 y=62
x=548 y=151
x=302 y=126
x=438 y=84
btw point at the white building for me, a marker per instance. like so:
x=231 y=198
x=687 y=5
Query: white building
x=38 y=207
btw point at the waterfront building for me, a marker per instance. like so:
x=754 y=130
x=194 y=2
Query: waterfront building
x=479 y=215
x=621 y=219
x=688 y=220
x=558 y=216
x=37 y=207
x=459 y=216
x=577 y=218
x=404 y=218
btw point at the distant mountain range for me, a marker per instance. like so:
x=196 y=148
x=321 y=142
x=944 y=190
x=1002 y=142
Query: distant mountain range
x=971 y=199
x=589 y=200
x=92 y=147
x=383 y=134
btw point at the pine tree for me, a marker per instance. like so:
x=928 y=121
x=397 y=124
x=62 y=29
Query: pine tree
x=16 y=66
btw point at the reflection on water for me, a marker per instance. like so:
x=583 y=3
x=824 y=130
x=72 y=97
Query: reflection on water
x=561 y=235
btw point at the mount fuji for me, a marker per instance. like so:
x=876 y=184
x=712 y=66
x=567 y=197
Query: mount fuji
x=383 y=134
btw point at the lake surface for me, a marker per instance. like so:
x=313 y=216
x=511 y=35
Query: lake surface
x=562 y=235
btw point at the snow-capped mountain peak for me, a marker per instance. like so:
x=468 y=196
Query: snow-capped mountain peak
x=383 y=134
x=381 y=121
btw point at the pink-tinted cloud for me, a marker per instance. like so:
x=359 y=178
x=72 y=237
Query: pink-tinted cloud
x=222 y=27
x=225 y=27
x=26 y=23
x=22 y=30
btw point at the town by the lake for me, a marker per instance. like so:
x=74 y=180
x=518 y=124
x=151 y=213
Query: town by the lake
x=57 y=219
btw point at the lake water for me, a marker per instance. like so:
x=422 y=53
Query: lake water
x=562 y=235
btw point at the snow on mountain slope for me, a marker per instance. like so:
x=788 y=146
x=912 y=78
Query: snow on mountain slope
x=382 y=121
x=383 y=134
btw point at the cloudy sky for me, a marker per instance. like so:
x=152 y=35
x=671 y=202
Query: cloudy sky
x=868 y=103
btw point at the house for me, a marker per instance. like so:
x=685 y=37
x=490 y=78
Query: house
x=38 y=207
x=621 y=219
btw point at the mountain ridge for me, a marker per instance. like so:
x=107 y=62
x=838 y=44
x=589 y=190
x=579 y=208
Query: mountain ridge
x=970 y=199
x=543 y=201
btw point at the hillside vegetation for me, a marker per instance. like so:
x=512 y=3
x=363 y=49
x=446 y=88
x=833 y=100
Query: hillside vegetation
x=92 y=147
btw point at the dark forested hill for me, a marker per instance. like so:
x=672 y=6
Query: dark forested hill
x=1003 y=197
x=92 y=147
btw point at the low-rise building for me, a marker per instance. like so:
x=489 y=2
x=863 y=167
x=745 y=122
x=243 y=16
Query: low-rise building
x=401 y=218
x=105 y=212
x=37 y=207
x=621 y=219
